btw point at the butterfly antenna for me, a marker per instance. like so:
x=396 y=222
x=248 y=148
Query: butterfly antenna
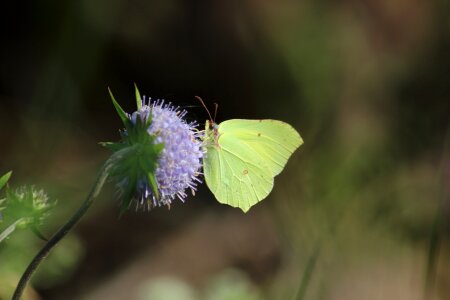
x=207 y=110
x=216 y=106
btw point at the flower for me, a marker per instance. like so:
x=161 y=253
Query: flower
x=28 y=204
x=179 y=163
x=159 y=156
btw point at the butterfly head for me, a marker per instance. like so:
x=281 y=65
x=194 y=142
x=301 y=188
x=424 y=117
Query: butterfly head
x=211 y=127
x=211 y=130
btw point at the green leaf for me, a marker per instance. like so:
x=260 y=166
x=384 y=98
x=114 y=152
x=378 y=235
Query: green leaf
x=4 y=179
x=9 y=230
x=138 y=97
x=122 y=114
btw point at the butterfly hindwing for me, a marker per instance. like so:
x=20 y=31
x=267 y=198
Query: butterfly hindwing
x=235 y=175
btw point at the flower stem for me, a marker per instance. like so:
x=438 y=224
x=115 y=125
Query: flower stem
x=308 y=273
x=61 y=233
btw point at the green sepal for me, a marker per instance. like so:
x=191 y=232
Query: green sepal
x=112 y=146
x=122 y=114
x=151 y=177
x=37 y=233
x=138 y=97
x=4 y=179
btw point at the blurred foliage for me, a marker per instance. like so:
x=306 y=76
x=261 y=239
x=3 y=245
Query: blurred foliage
x=232 y=285
x=167 y=288
x=366 y=83
x=25 y=207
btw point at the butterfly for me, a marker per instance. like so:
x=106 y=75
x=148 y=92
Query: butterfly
x=243 y=157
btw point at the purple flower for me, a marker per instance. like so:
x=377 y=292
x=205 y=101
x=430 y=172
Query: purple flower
x=179 y=163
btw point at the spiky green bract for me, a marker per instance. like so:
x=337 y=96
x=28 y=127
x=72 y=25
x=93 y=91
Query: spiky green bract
x=4 y=179
x=138 y=97
x=135 y=156
x=122 y=114
x=27 y=204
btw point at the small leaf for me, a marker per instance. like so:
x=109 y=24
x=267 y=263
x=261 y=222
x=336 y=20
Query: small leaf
x=122 y=114
x=138 y=97
x=4 y=179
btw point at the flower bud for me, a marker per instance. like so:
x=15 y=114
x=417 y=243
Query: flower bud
x=28 y=204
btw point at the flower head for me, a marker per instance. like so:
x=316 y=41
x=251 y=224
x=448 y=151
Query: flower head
x=159 y=157
x=28 y=204
x=179 y=162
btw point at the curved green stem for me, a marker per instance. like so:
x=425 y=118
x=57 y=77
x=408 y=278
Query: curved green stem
x=61 y=233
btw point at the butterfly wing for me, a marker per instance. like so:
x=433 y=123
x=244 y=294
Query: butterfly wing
x=244 y=156
x=235 y=175
x=273 y=140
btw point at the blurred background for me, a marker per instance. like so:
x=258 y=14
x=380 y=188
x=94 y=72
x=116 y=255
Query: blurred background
x=361 y=210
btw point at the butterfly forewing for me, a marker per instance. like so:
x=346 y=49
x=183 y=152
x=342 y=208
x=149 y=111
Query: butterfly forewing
x=274 y=141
